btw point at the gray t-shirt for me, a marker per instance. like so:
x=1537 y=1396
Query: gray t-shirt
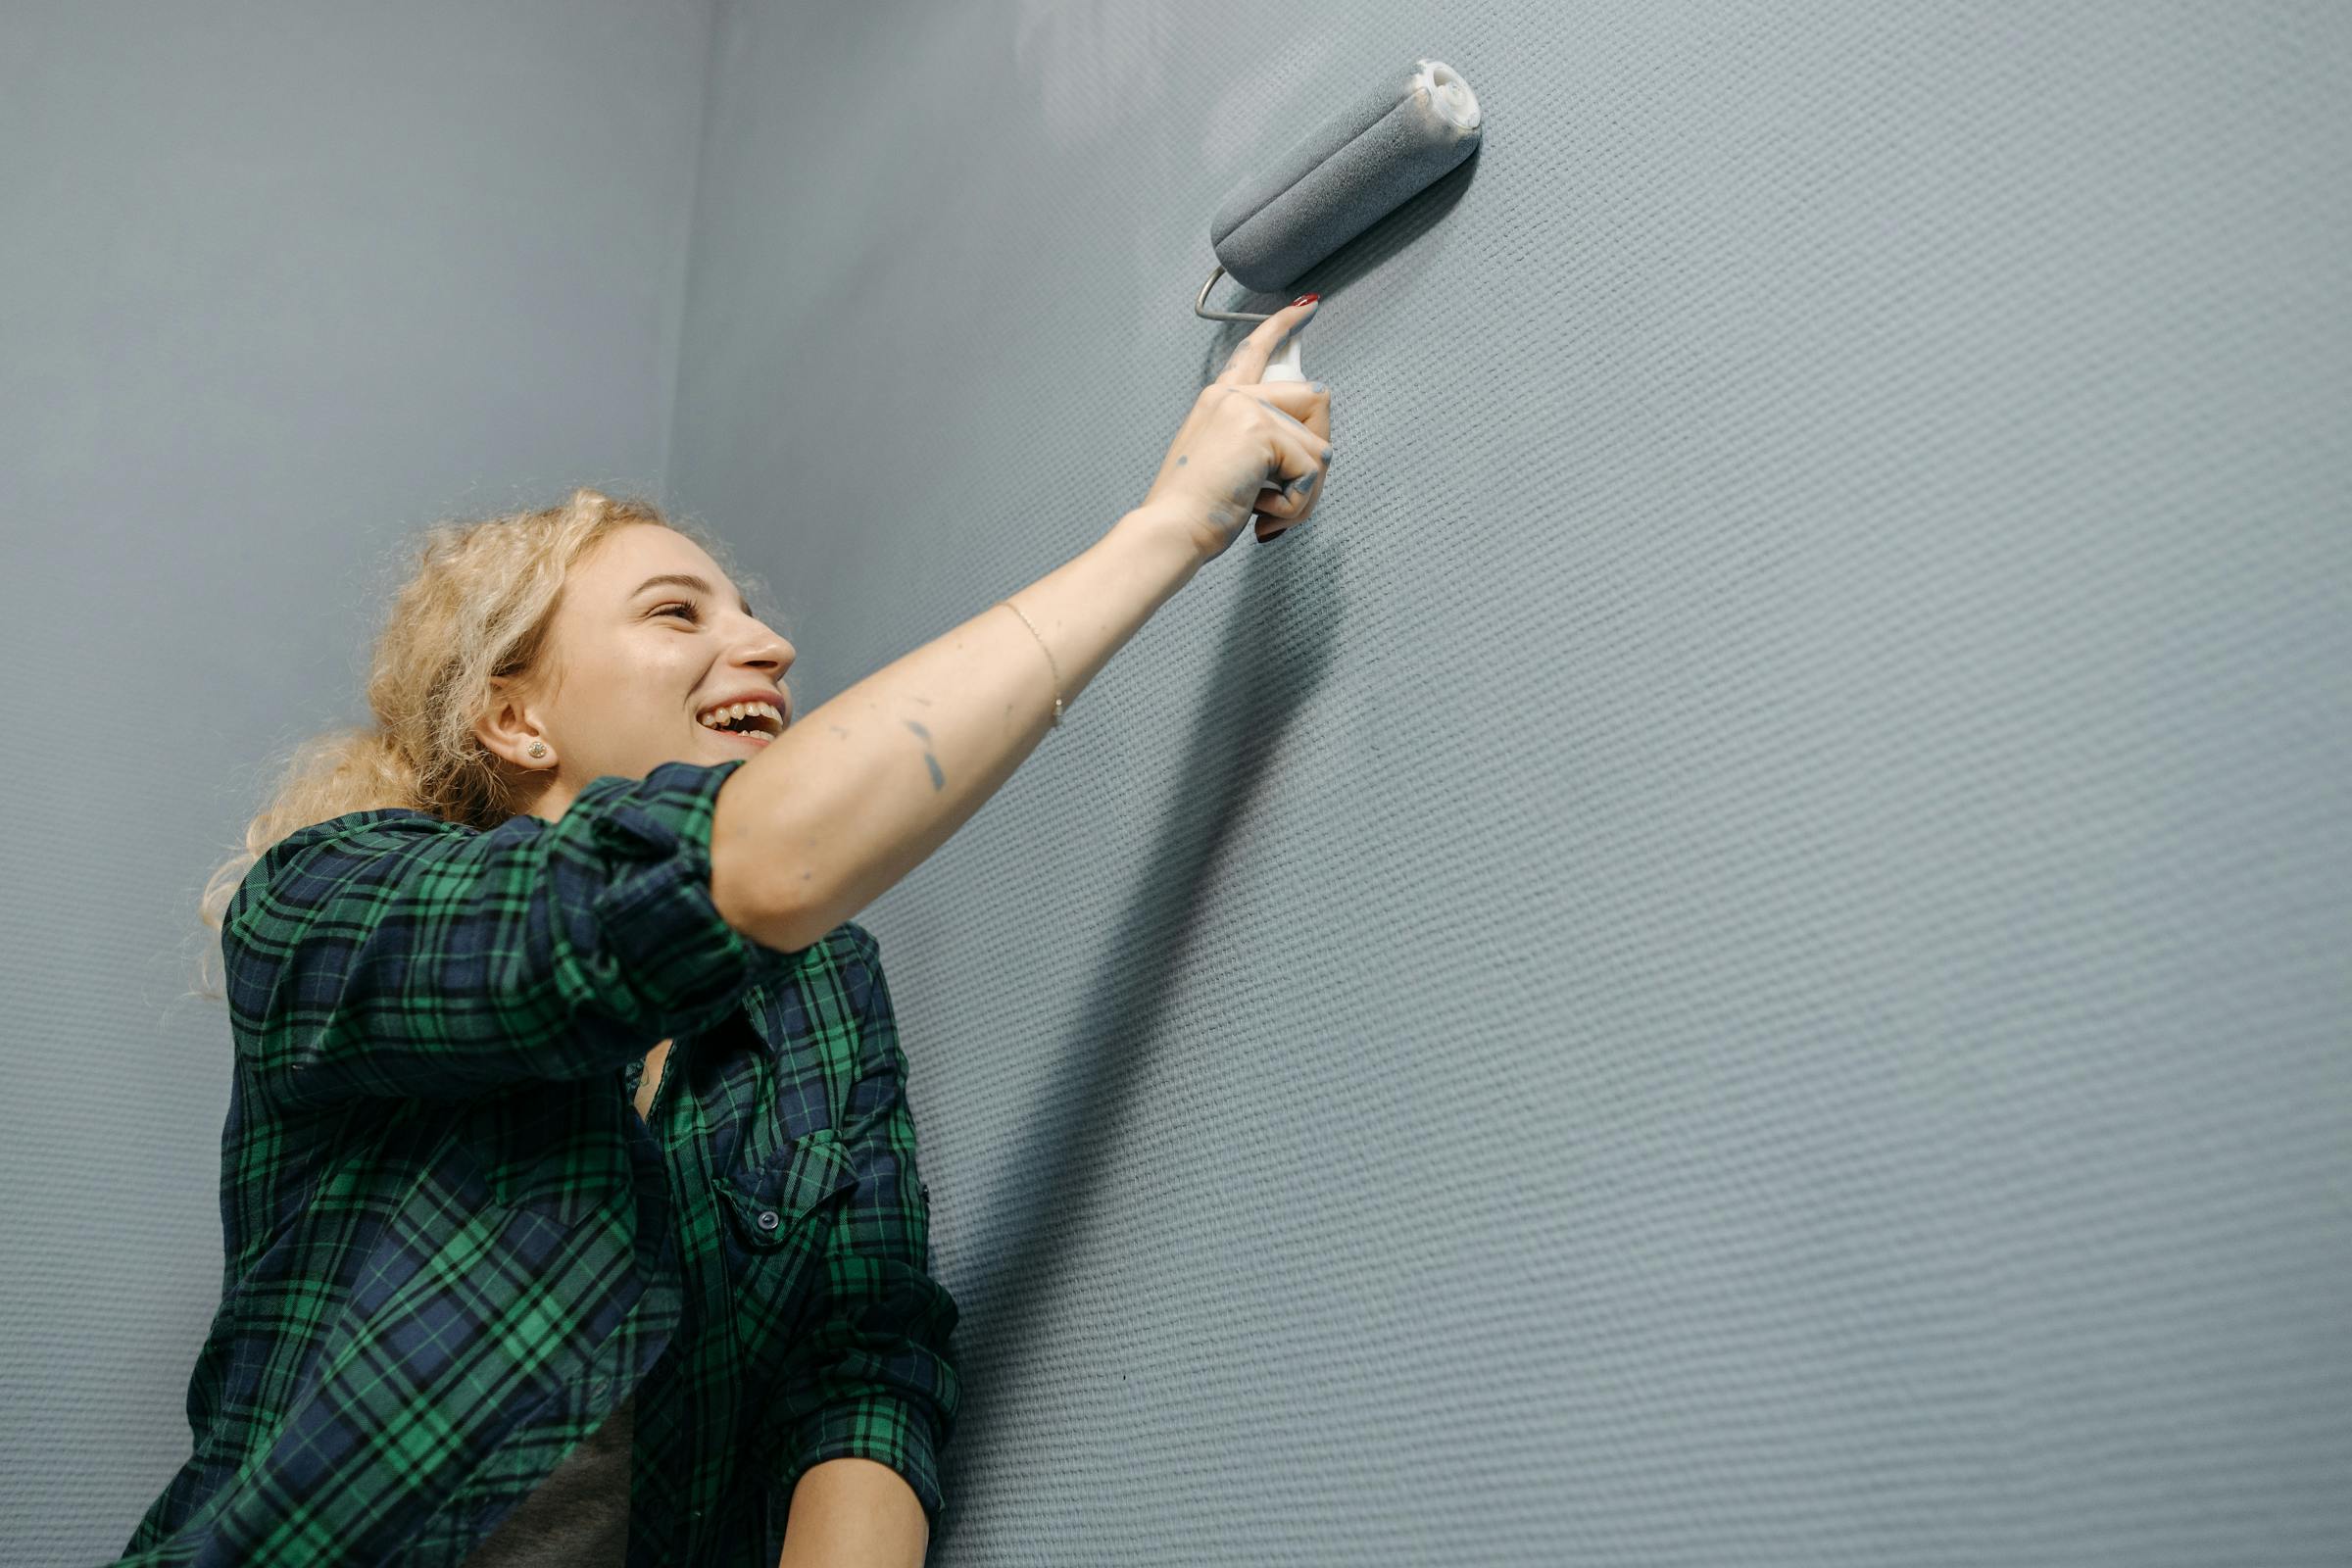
x=578 y=1517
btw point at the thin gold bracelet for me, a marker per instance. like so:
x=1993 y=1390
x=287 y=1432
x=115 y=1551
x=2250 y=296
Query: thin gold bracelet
x=1041 y=642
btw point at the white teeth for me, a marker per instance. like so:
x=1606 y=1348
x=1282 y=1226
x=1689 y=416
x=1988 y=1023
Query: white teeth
x=720 y=718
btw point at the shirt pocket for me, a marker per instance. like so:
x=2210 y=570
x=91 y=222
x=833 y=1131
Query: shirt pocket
x=777 y=1217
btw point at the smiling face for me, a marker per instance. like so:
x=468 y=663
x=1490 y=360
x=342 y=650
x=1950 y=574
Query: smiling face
x=628 y=665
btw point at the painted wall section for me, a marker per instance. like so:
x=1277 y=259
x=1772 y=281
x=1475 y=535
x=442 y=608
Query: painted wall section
x=1736 y=953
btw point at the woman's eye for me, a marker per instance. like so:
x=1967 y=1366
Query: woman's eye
x=666 y=609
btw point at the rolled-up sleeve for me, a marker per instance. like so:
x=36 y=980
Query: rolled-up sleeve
x=393 y=954
x=877 y=1378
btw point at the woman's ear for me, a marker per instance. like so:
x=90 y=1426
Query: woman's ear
x=505 y=730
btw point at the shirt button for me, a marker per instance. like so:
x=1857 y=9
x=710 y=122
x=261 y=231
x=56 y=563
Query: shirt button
x=768 y=1219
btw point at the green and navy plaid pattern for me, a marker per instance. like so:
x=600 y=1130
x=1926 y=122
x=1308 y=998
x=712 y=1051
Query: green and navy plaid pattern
x=452 y=1245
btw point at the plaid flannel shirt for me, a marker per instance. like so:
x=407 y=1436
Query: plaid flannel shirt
x=452 y=1245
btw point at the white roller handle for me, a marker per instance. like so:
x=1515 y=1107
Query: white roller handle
x=1284 y=365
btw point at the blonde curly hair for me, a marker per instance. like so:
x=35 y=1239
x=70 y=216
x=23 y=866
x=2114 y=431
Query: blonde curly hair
x=479 y=603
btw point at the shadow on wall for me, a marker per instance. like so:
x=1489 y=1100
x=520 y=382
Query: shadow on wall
x=1232 y=740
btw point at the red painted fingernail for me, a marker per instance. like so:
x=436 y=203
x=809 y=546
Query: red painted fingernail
x=1306 y=299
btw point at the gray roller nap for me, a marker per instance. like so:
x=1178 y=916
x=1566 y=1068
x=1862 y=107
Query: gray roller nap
x=1345 y=176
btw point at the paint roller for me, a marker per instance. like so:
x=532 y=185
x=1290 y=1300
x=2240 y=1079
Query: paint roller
x=1335 y=182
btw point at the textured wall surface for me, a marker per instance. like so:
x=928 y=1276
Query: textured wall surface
x=280 y=283
x=1736 y=954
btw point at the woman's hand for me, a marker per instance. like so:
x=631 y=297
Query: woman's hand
x=1246 y=446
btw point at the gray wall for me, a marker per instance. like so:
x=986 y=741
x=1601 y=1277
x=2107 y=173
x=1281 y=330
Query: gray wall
x=279 y=284
x=1735 y=955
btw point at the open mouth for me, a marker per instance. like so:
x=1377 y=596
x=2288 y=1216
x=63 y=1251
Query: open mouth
x=754 y=722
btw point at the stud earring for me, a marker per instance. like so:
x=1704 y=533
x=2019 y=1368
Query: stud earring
x=538 y=749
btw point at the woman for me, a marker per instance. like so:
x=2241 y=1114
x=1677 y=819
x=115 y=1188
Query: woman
x=569 y=1186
